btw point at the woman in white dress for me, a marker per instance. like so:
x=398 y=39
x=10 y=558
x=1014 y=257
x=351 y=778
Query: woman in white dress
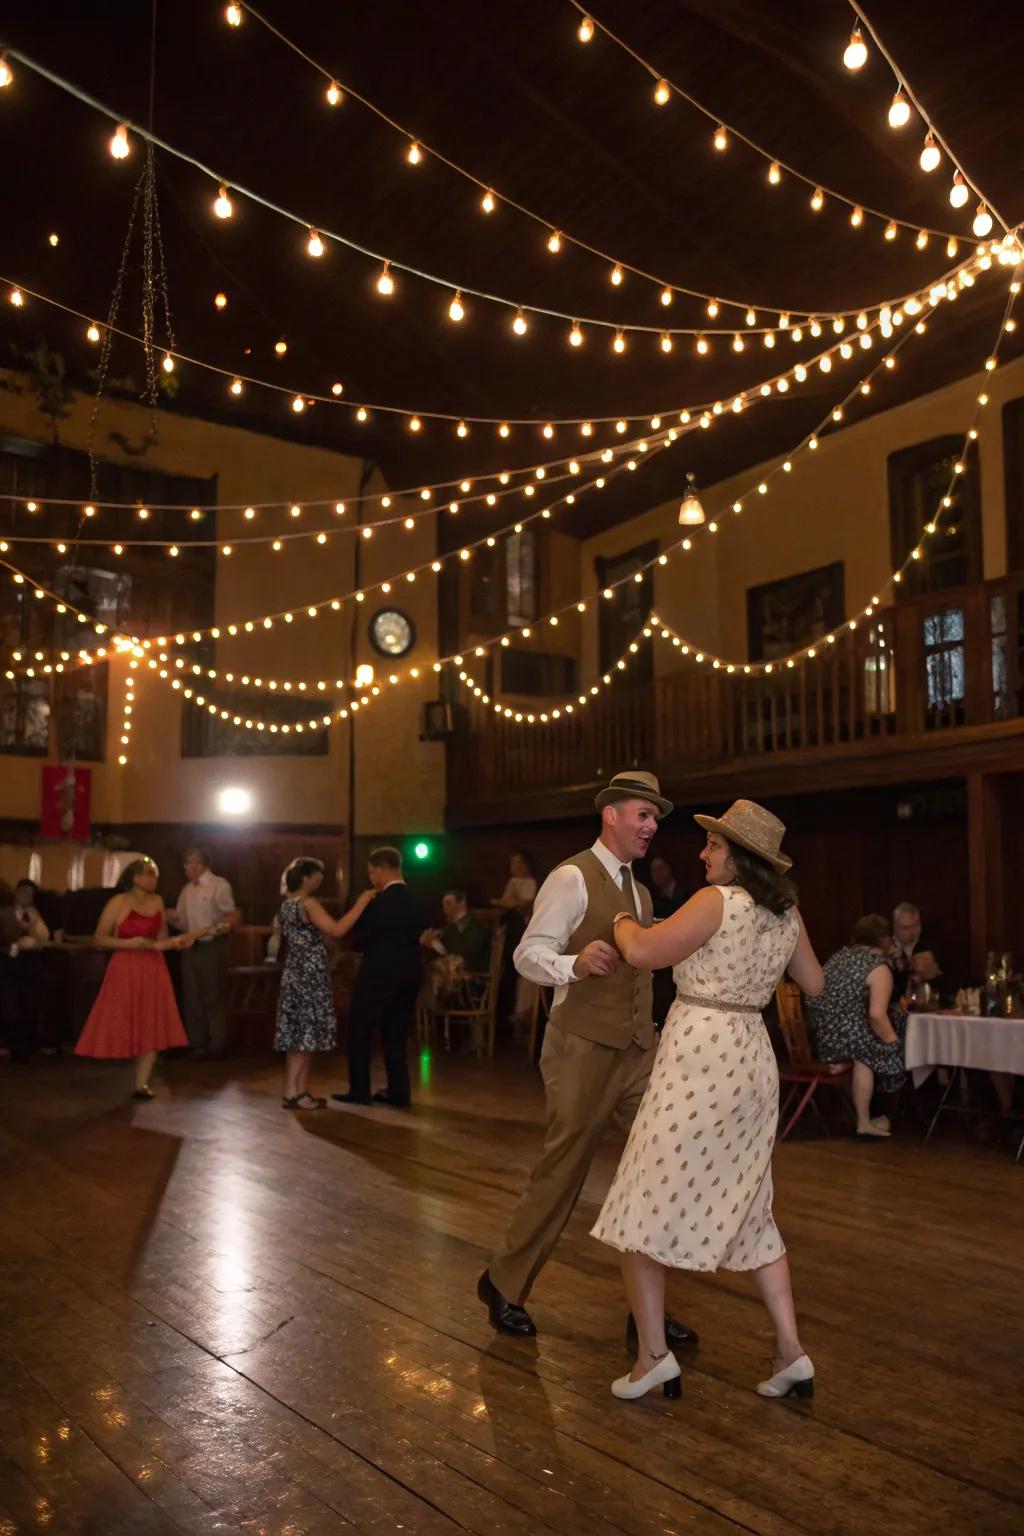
x=694 y=1187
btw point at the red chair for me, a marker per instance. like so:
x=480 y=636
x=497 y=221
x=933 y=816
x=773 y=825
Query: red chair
x=800 y=1071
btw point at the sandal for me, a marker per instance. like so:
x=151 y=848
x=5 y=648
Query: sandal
x=296 y=1102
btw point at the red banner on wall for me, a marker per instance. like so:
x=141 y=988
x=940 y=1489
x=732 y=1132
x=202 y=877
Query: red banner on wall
x=65 y=802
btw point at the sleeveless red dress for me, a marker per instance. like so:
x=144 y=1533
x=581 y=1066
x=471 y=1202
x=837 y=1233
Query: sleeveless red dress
x=135 y=1010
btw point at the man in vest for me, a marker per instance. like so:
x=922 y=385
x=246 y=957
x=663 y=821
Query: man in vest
x=599 y=1045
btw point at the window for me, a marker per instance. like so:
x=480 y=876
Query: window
x=794 y=611
x=622 y=616
x=503 y=582
x=944 y=665
x=521 y=577
x=81 y=705
x=207 y=735
x=536 y=673
x=879 y=673
x=919 y=477
x=25 y=716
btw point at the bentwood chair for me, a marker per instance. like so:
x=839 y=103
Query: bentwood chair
x=477 y=1003
x=800 y=1072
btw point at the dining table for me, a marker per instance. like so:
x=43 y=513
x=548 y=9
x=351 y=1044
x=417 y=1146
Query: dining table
x=947 y=1038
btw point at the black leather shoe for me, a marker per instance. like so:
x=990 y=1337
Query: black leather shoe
x=504 y=1314
x=676 y=1336
x=348 y=1098
x=384 y=1097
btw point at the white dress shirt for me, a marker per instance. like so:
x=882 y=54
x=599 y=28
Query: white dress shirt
x=559 y=909
x=204 y=902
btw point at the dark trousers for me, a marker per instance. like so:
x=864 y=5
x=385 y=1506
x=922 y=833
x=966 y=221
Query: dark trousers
x=389 y=1009
x=204 y=976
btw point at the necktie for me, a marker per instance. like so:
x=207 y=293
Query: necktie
x=628 y=893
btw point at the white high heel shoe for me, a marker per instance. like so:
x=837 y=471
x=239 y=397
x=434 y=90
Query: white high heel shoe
x=797 y=1380
x=666 y=1374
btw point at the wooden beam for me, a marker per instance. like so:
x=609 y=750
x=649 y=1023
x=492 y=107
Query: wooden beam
x=985 y=867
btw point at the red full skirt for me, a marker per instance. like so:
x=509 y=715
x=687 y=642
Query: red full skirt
x=135 y=1010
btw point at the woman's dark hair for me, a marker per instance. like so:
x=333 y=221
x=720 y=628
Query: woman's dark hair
x=301 y=870
x=30 y=883
x=127 y=877
x=768 y=888
x=521 y=853
x=872 y=930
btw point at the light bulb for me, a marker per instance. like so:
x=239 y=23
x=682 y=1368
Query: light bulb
x=922 y=239
x=817 y=200
x=220 y=301
x=891 y=230
x=615 y=276
x=982 y=225
x=662 y=92
x=504 y=430
x=222 y=204
x=298 y=404
x=587 y=429
x=666 y=296
x=737 y=342
x=691 y=513
x=721 y=138
x=554 y=242
x=665 y=342
x=414 y=154
x=575 y=335
x=519 y=324
x=856 y=52
x=385 y=281
x=6 y=73
x=233 y=15
x=958 y=193
x=488 y=202
x=456 y=311
x=119 y=145
x=857 y=216
x=415 y=425
x=952 y=246
x=774 y=173
x=235 y=386
x=168 y=363
x=825 y=363
x=899 y=110
x=93 y=333
x=280 y=347
x=314 y=245
x=619 y=344
x=702 y=346
x=585 y=30
x=751 y=317
x=931 y=155
x=337 y=388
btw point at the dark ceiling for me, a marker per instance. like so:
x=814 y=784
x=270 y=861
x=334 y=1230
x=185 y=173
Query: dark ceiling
x=505 y=89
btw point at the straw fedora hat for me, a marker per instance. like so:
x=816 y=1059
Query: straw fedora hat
x=634 y=784
x=754 y=828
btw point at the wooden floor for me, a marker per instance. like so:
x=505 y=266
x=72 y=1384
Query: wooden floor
x=216 y=1317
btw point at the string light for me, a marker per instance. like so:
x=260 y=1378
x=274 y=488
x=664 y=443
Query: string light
x=6 y=73
x=774 y=173
x=220 y=301
x=662 y=92
x=120 y=147
x=93 y=332
x=456 y=310
x=333 y=94
x=314 y=245
x=855 y=53
x=280 y=346
x=585 y=30
x=233 y=15
x=982 y=224
x=931 y=155
x=414 y=153
x=899 y=110
x=720 y=139
x=222 y=205
x=385 y=281
x=958 y=193
x=554 y=242
x=488 y=202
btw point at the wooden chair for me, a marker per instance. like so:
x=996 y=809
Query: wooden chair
x=480 y=1010
x=800 y=1071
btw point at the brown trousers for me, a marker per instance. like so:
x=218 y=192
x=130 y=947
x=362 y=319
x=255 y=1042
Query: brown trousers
x=586 y=1086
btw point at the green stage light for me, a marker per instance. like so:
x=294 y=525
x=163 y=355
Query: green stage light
x=421 y=850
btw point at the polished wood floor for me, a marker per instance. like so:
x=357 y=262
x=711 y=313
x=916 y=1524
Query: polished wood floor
x=217 y=1317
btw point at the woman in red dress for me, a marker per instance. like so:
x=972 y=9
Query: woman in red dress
x=135 y=1013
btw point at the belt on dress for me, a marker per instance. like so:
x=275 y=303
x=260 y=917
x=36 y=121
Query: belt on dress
x=719 y=1004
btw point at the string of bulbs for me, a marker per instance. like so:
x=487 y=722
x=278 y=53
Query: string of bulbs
x=417 y=149
x=901 y=109
x=318 y=239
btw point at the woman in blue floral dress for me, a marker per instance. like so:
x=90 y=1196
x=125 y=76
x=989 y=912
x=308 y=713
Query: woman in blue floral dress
x=305 y=1005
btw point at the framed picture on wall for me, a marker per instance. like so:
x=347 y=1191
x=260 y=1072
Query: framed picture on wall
x=796 y=610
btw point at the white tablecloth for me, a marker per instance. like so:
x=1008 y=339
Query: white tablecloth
x=963 y=1040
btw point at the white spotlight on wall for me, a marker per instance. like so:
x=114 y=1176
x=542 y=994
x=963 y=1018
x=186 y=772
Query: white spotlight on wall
x=234 y=801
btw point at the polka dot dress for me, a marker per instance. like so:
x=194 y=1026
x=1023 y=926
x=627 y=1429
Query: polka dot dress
x=694 y=1187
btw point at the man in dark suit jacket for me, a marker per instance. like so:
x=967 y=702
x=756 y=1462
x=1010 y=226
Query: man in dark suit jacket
x=384 y=996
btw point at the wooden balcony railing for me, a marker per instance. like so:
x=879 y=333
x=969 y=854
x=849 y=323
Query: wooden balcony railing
x=924 y=667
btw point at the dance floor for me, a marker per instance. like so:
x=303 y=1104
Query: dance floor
x=218 y=1317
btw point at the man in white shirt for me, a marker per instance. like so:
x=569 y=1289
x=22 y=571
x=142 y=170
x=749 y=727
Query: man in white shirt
x=599 y=1044
x=206 y=901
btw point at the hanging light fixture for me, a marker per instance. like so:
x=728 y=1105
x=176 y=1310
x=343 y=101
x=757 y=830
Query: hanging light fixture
x=691 y=512
x=855 y=55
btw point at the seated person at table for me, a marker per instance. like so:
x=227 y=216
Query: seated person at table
x=909 y=959
x=854 y=1019
x=27 y=914
x=463 y=934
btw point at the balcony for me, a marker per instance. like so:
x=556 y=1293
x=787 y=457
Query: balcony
x=931 y=687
